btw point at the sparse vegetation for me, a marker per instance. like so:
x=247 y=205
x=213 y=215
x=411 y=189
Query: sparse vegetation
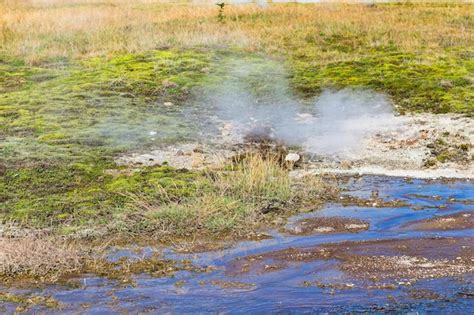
x=25 y=302
x=457 y=150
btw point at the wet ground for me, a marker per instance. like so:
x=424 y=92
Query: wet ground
x=408 y=247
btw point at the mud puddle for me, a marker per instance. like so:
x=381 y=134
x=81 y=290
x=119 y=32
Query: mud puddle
x=397 y=263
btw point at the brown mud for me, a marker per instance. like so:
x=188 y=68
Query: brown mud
x=400 y=260
x=457 y=221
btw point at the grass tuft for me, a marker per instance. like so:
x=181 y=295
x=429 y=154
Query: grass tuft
x=235 y=202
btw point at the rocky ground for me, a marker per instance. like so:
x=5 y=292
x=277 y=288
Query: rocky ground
x=423 y=145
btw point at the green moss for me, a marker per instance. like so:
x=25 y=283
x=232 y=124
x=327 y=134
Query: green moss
x=61 y=126
x=433 y=83
x=15 y=75
x=83 y=192
x=105 y=104
x=52 y=137
x=158 y=182
x=158 y=73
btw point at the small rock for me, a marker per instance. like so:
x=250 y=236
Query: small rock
x=127 y=95
x=228 y=126
x=446 y=84
x=355 y=226
x=198 y=149
x=324 y=229
x=168 y=104
x=346 y=164
x=169 y=84
x=304 y=118
x=297 y=230
x=292 y=157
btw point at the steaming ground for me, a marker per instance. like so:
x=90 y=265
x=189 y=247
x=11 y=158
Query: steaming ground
x=345 y=131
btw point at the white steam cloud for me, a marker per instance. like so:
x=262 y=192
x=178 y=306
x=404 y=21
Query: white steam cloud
x=255 y=98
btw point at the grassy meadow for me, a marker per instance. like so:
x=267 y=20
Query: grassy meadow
x=72 y=71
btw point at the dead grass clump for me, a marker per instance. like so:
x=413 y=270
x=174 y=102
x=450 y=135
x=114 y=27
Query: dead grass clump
x=35 y=260
x=258 y=178
x=32 y=257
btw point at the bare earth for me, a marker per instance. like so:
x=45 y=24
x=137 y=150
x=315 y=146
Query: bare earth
x=404 y=151
x=410 y=147
x=458 y=221
x=399 y=261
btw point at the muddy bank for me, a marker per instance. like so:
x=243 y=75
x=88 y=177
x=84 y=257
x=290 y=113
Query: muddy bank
x=457 y=221
x=396 y=260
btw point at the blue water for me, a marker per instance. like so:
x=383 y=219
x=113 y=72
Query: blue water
x=282 y=291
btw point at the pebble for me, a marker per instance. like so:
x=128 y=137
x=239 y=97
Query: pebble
x=292 y=157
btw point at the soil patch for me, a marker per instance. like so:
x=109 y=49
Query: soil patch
x=188 y=156
x=458 y=221
x=403 y=261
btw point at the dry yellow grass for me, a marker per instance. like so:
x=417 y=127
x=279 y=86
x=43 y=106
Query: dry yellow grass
x=234 y=203
x=260 y=177
x=36 y=30
x=38 y=257
x=44 y=259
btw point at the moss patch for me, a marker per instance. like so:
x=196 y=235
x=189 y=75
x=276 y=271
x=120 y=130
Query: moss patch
x=62 y=123
x=417 y=83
